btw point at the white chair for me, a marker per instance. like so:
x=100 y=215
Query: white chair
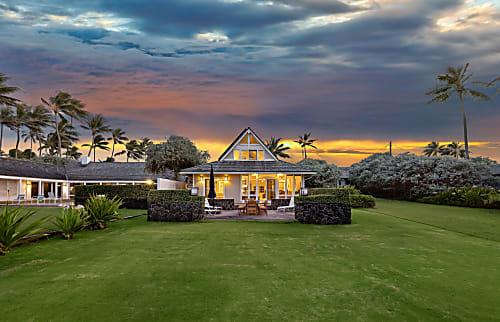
x=290 y=206
x=211 y=210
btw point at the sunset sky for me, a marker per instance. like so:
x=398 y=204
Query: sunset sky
x=352 y=72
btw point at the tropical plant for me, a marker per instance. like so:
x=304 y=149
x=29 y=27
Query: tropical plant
x=327 y=175
x=26 y=154
x=132 y=150
x=144 y=145
x=176 y=153
x=118 y=137
x=97 y=125
x=73 y=153
x=433 y=149
x=62 y=106
x=5 y=90
x=454 y=81
x=20 y=119
x=70 y=221
x=14 y=227
x=5 y=120
x=100 y=210
x=277 y=148
x=38 y=118
x=305 y=141
x=454 y=149
x=98 y=143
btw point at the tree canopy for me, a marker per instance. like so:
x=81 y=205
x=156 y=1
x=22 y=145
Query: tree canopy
x=327 y=175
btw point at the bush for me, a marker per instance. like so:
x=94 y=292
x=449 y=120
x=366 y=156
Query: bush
x=132 y=196
x=71 y=221
x=100 y=210
x=327 y=175
x=362 y=201
x=327 y=191
x=340 y=196
x=410 y=177
x=171 y=195
x=14 y=229
x=477 y=197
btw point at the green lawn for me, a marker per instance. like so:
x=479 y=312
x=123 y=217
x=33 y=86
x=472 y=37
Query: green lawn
x=379 y=268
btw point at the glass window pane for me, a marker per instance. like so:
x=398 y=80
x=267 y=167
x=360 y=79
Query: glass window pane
x=289 y=185
x=244 y=155
x=261 y=155
x=244 y=140
x=253 y=186
x=252 y=155
x=298 y=183
x=244 y=187
x=236 y=154
x=253 y=140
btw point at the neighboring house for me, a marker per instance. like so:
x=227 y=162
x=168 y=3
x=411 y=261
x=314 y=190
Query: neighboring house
x=344 y=176
x=31 y=179
x=247 y=170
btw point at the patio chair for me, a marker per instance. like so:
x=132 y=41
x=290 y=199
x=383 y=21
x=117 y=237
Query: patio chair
x=263 y=208
x=242 y=209
x=252 y=208
x=19 y=198
x=290 y=206
x=211 y=210
x=40 y=198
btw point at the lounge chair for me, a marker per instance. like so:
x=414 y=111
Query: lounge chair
x=291 y=206
x=19 y=198
x=40 y=198
x=211 y=210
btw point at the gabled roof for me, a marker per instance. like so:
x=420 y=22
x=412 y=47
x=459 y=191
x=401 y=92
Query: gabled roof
x=229 y=167
x=240 y=137
x=30 y=169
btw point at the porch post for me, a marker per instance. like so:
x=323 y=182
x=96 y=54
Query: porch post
x=56 y=194
x=286 y=186
x=293 y=183
x=257 y=190
x=39 y=188
x=20 y=187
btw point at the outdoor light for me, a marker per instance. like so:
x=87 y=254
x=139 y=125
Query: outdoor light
x=226 y=178
x=194 y=191
x=201 y=178
x=149 y=181
x=303 y=191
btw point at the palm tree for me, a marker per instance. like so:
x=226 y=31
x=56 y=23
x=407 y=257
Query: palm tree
x=19 y=120
x=39 y=118
x=98 y=142
x=144 y=145
x=60 y=105
x=96 y=124
x=118 y=137
x=132 y=150
x=454 y=149
x=73 y=153
x=5 y=90
x=304 y=142
x=455 y=82
x=433 y=149
x=277 y=148
x=5 y=120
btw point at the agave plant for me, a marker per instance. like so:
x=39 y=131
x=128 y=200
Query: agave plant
x=71 y=221
x=14 y=227
x=100 y=210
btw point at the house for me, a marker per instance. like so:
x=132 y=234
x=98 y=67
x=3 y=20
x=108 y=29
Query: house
x=31 y=179
x=247 y=170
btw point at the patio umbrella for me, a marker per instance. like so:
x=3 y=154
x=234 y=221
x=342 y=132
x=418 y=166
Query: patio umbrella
x=211 y=191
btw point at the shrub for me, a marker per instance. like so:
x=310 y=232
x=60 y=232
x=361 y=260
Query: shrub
x=477 y=197
x=408 y=176
x=327 y=175
x=71 y=221
x=327 y=191
x=133 y=196
x=340 y=197
x=362 y=201
x=172 y=195
x=100 y=210
x=13 y=227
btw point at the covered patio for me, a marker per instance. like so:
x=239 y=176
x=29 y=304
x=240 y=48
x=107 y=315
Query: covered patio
x=272 y=215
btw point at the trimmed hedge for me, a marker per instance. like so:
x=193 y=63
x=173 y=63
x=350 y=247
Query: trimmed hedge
x=171 y=196
x=362 y=201
x=476 y=197
x=329 y=191
x=338 y=197
x=133 y=196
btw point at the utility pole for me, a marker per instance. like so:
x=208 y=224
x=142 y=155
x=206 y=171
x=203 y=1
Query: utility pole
x=390 y=148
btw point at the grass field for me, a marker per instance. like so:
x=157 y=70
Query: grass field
x=401 y=262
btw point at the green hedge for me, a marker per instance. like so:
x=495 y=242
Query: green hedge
x=339 y=196
x=362 y=201
x=172 y=195
x=476 y=197
x=133 y=196
x=329 y=191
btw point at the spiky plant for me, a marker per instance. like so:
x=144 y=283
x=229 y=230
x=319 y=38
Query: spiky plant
x=277 y=148
x=100 y=210
x=433 y=149
x=454 y=81
x=70 y=221
x=14 y=227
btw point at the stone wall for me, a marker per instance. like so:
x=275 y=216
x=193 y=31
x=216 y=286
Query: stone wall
x=323 y=213
x=175 y=211
x=226 y=204
x=275 y=203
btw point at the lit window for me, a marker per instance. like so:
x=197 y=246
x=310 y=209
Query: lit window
x=261 y=155
x=244 y=155
x=244 y=140
x=236 y=154
x=253 y=140
x=252 y=155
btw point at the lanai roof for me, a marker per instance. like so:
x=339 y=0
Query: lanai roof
x=249 y=167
